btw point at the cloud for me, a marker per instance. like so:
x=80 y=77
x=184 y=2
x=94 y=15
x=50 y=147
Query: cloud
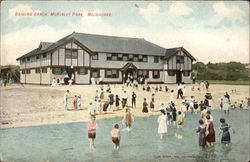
x=176 y=9
x=25 y=10
x=206 y=44
x=232 y=13
x=179 y=9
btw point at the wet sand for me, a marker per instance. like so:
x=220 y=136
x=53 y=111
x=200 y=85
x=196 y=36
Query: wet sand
x=33 y=105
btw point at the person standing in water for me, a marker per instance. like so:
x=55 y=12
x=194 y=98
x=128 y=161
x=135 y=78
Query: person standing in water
x=116 y=136
x=226 y=105
x=224 y=129
x=133 y=100
x=91 y=129
x=181 y=119
x=204 y=114
x=202 y=133
x=66 y=99
x=210 y=138
x=145 y=106
x=128 y=119
x=162 y=127
x=174 y=114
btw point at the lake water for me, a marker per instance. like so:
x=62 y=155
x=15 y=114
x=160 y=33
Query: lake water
x=69 y=142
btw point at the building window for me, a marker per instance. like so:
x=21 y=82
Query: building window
x=135 y=58
x=156 y=74
x=180 y=59
x=111 y=74
x=95 y=73
x=130 y=57
x=44 y=55
x=37 y=70
x=114 y=57
x=67 y=53
x=23 y=71
x=186 y=73
x=143 y=73
x=74 y=54
x=145 y=58
x=109 y=56
x=27 y=71
x=57 y=71
x=71 y=53
x=37 y=57
x=156 y=59
x=171 y=73
x=82 y=71
x=95 y=57
x=28 y=58
x=125 y=57
x=119 y=57
x=44 y=70
x=140 y=58
x=23 y=60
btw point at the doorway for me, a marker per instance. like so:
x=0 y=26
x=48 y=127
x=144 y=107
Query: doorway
x=178 y=76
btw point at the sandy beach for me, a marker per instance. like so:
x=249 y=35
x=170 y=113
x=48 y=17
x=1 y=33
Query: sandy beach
x=34 y=105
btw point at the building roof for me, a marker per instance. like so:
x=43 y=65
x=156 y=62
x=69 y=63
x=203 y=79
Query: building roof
x=106 y=44
x=173 y=51
x=42 y=47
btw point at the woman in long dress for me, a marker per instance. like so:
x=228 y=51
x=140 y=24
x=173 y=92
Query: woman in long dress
x=202 y=133
x=162 y=128
x=128 y=119
x=145 y=106
x=224 y=129
x=226 y=105
x=211 y=133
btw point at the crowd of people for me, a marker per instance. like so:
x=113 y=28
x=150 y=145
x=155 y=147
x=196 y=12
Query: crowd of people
x=169 y=113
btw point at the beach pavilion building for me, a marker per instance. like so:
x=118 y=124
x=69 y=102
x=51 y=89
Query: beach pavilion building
x=111 y=58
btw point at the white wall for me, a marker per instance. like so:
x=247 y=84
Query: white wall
x=33 y=77
x=82 y=79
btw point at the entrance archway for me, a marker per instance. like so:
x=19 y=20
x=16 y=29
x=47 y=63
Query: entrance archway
x=129 y=70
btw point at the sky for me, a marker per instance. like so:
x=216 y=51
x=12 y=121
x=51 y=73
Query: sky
x=212 y=31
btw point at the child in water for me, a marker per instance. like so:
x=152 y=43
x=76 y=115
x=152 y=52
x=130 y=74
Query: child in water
x=181 y=119
x=116 y=136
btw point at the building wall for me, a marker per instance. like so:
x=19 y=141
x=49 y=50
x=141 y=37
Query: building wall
x=102 y=74
x=46 y=77
x=33 y=77
x=82 y=79
x=58 y=56
x=169 y=79
x=187 y=65
x=151 y=79
x=186 y=79
x=22 y=77
x=102 y=62
x=34 y=62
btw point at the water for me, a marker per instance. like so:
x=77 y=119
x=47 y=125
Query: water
x=68 y=142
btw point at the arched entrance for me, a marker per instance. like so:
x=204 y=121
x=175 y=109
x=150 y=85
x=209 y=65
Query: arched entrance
x=129 y=70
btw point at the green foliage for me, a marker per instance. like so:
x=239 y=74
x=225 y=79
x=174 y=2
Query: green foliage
x=231 y=71
x=13 y=74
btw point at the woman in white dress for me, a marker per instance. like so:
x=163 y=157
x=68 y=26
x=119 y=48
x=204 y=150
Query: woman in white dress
x=225 y=105
x=162 y=128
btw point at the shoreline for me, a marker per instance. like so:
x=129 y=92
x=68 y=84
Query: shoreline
x=43 y=105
